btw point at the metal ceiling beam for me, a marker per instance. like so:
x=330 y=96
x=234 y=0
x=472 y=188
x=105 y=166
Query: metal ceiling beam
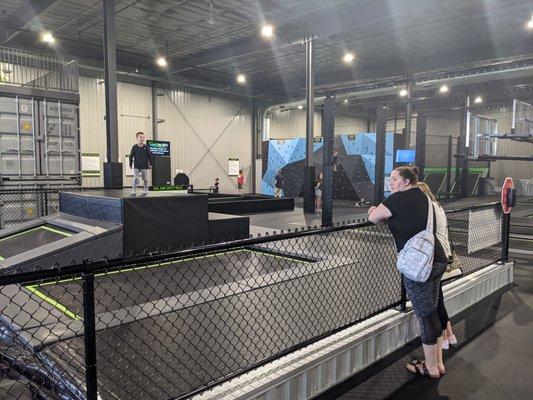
x=322 y=23
x=21 y=17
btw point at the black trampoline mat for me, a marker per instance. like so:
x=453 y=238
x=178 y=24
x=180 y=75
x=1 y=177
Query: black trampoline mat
x=123 y=288
x=31 y=239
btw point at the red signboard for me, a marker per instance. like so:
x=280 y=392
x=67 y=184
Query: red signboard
x=508 y=184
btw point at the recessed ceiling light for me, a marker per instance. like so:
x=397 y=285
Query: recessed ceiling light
x=529 y=24
x=47 y=37
x=267 y=31
x=345 y=101
x=161 y=61
x=403 y=93
x=241 y=78
x=348 y=57
x=478 y=100
x=300 y=107
x=444 y=89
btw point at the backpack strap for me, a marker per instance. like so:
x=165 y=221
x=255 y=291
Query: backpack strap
x=429 y=224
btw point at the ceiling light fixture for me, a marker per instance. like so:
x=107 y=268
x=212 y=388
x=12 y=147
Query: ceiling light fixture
x=403 y=93
x=444 y=89
x=348 y=58
x=162 y=62
x=47 y=37
x=267 y=31
x=529 y=24
x=345 y=101
x=478 y=100
x=241 y=78
x=300 y=107
x=211 y=20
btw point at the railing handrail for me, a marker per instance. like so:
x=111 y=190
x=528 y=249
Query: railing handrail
x=89 y=266
x=120 y=262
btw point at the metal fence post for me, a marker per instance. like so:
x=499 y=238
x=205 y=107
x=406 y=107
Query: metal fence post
x=506 y=228
x=89 y=327
x=403 y=304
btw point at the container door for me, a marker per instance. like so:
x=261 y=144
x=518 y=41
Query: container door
x=17 y=137
x=59 y=139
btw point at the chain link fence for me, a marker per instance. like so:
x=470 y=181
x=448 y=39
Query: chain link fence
x=172 y=325
x=19 y=205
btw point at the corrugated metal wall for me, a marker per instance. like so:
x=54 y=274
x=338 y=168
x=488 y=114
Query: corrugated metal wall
x=134 y=114
x=204 y=133
x=515 y=169
x=291 y=124
x=192 y=123
x=92 y=123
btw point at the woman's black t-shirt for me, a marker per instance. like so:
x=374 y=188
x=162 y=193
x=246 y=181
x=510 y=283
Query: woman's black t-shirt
x=409 y=211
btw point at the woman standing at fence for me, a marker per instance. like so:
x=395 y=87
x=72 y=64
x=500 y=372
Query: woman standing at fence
x=406 y=211
x=442 y=235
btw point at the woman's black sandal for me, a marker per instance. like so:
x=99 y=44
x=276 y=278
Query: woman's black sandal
x=415 y=363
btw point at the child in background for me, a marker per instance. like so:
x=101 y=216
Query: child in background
x=216 y=186
x=240 y=182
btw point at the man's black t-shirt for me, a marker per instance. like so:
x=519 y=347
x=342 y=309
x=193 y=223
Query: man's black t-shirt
x=409 y=211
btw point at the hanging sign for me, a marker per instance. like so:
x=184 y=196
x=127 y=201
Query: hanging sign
x=233 y=167
x=90 y=164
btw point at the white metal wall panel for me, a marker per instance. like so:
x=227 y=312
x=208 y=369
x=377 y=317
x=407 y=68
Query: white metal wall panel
x=92 y=123
x=291 y=124
x=349 y=125
x=134 y=108
x=515 y=169
x=204 y=133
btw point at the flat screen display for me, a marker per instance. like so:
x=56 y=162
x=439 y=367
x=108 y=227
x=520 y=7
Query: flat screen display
x=405 y=156
x=158 y=147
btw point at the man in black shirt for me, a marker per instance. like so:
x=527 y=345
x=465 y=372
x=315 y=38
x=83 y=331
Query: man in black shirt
x=141 y=161
x=278 y=184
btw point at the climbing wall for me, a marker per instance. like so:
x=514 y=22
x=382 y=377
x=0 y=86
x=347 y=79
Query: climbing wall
x=353 y=178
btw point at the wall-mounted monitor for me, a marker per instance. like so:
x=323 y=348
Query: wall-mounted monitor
x=405 y=156
x=158 y=147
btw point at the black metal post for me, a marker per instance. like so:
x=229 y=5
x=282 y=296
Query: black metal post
x=154 y=110
x=112 y=168
x=89 y=328
x=506 y=227
x=328 y=129
x=420 y=158
x=408 y=116
x=465 y=134
x=379 y=182
x=254 y=120
x=449 y=169
x=403 y=305
x=309 y=169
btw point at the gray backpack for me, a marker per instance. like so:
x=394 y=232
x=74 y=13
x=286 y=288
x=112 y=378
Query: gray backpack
x=415 y=260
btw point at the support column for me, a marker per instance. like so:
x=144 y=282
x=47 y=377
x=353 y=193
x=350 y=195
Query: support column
x=112 y=168
x=379 y=182
x=309 y=169
x=254 y=130
x=420 y=158
x=408 y=116
x=154 y=110
x=449 y=168
x=465 y=136
x=328 y=129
